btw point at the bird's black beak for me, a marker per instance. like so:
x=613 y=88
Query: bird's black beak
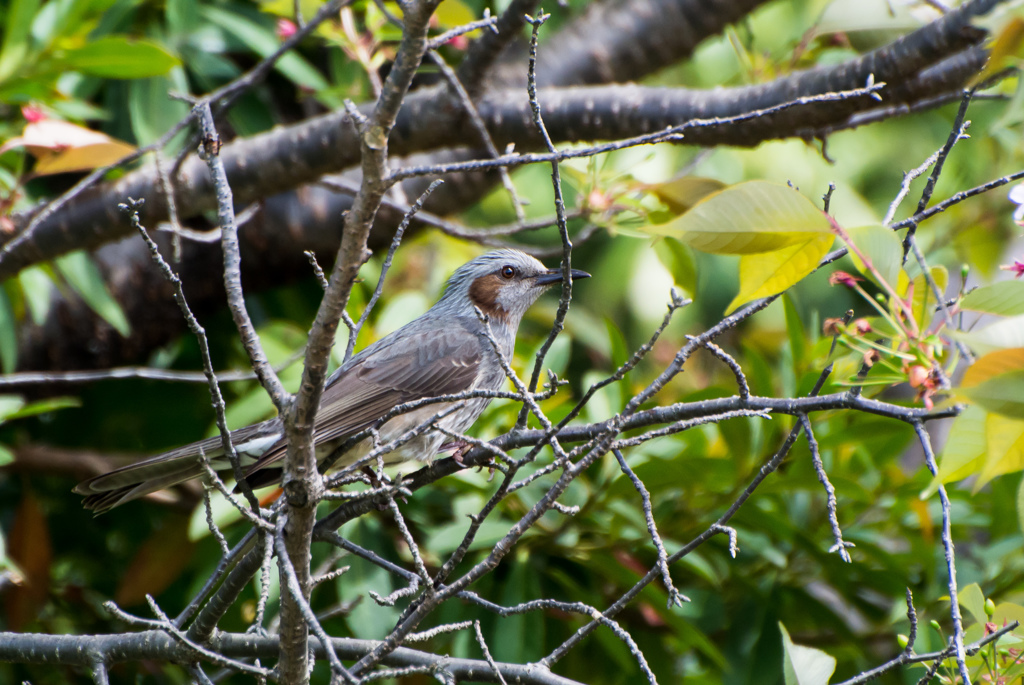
x=555 y=275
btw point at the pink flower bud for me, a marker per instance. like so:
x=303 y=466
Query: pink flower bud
x=285 y=28
x=843 y=278
x=32 y=114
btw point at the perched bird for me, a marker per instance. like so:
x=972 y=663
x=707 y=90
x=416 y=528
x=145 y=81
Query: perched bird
x=445 y=351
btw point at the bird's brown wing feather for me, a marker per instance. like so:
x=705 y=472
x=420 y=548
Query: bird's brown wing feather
x=424 y=364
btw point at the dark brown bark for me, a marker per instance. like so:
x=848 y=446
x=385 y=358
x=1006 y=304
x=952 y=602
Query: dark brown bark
x=74 y=338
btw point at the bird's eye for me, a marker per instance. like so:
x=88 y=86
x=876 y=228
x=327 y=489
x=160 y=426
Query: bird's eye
x=508 y=271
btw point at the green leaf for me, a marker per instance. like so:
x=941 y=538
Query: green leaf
x=18 y=23
x=400 y=310
x=557 y=358
x=995 y=382
x=10 y=405
x=8 y=335
x=82 y=274
x=763 y=275
x=6 y=457
x=866 y=15
x=1005 y=298
x=1020 y=505
x=679 y=260
x=923 y=302
x=519 y=638
x=749 y=218
x=366 y=620
x=37 y=287
x=964 y=451
x=1004 y=448
x=805 y=665
x=42 y=407
x=224 y=514
x=121 y=57
x=972 y=599
x=794 y=329
x=182 y=16
x=1001 y=335
x=63 y=19
x=882 y=248
x=152 y=110
x=263 y=41
x=1001 y=395
x=619 y=348
x=682 y=194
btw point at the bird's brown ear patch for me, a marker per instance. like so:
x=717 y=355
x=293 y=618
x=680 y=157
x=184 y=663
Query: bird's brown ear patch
x=484 y=294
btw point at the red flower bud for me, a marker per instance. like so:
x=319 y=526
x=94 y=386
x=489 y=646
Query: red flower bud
x=843 y=278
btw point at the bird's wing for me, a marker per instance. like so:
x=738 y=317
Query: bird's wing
x=416 y=365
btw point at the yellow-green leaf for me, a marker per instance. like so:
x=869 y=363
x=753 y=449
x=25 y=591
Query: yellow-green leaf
x=881 y=247
x=17 y=39
x=972 y=599
x=121 y=57
x=997 y=383
x=1005 y=298
x=1004 y=50
x=1020 y=506
x=748 y=218
x=1001 y=335
x=10 y=405
x=965 y=449
x=1008 y=612
x=922 y=301
x=453 y=13
x=992 y=365
x=36 y=286
x=1004 y=448
x=682 y=194
x=679 y=260
x=795 y=331
x=762 y=275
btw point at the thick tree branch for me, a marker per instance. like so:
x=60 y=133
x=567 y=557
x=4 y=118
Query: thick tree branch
x=87 y=650
x=302 y=483
x=258 y=166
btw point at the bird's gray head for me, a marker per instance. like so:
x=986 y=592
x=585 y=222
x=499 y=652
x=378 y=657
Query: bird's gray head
x=502 y=284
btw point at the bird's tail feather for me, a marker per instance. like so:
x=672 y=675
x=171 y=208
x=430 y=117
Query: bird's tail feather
x=137 y=480
x=100 y=499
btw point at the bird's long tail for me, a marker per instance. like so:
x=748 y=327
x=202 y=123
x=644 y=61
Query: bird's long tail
x=162 y=471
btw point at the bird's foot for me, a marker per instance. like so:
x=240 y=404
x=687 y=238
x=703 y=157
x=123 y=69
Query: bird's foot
x=378 y=481
x=460 y=448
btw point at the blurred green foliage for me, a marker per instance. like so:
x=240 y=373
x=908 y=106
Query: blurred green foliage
x=66 y=58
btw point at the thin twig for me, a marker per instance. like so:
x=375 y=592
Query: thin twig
x=840 y=545
x=395 y=242
x=900 y=659
x=947 y=545
x=563 y=230
x=955 y=135
x=481 y=129
x=675 y=598
x=132 y=209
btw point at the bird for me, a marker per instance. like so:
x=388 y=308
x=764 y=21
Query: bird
x=447 y=350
